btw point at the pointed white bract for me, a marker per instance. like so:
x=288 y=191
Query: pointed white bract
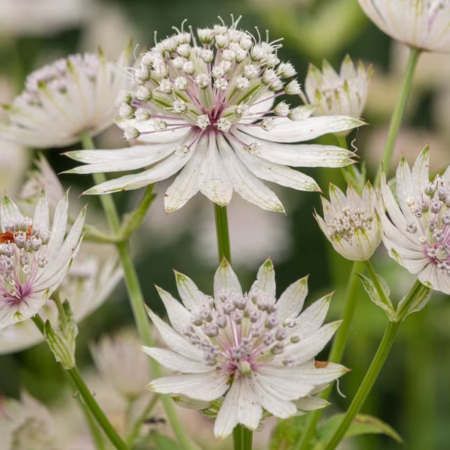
x=250 y=352
x=33 y=259
x=208 y=111
x=64 y=100
x=351 y=223
x=423 y=24
x=417 y=233
x=122 y=364
x=344 y=93
x=89 y=282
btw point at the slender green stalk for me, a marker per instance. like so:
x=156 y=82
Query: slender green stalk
x=399 y=111
x=242 y=438
x=97 y=436
x=342 y=142
x=376 y=365
x=88 y=399
x=134 y=433
x=137 y=299
x=337 y=350
x=223 y=236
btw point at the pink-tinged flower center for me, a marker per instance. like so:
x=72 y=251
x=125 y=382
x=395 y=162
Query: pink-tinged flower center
x=344 y=223
x=211 y=86
x=431 y=222
x=22 y=255
x=240 y=332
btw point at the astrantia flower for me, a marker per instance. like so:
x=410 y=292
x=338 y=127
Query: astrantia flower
x=89 y=282
x=423 y=24
x=64 y=100
x=33 y=260
x=351 y=222
x=417 y=235
x=208 y=110
x=122 y=364
x=254 y=351
x=344 y=93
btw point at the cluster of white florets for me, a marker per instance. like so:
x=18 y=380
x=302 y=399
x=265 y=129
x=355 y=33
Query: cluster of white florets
x=57 y=78
x=237 y=332
x=344 y=224
x=210 y=84
x=431 y=219
x=21 y=253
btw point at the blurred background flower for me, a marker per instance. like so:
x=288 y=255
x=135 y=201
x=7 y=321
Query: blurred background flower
x=412 y=393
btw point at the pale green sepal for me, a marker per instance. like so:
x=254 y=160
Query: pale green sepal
x=384 y=303
x=60 y=347
x=419 y=302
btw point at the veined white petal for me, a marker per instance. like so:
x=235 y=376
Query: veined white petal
x=405 y=189
x=179 y=316
x=41 y=213
x=216 y=184
x=249 y=408
x=283 y=387
x=311 y=403
x=174 y=340
x=201 y=386
x=175 y=361
x=245 y=183
x=420 y=171
x=59 y=226
x=262 y=105
x=227 y=418
x=225 y=280
x=190 y=294
x=289 y=131
x=8 y=210
x=312 y=318
x=291 y=301
x=188 y=182
x=272 y=403
x=265 y=279
x=157 y=137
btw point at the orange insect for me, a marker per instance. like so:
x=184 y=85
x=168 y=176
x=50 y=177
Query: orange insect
x=8 y=236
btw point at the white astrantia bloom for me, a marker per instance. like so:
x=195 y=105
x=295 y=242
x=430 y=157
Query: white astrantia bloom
x=208 y=110
x=90 y=280
x=417 y=234
x=26 y=424
x=251 y=350
x=344 y=93
x=351 y=223
x=65 y=99
x=33 y=260
x=121 y=363
x=422 y=24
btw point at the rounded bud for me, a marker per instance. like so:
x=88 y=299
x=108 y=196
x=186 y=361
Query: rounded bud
x=131 y=133
x=293 y=88
x=144 y=93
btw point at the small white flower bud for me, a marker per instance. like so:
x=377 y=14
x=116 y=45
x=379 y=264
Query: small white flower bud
x=268 y=124
x=178 y=62
x=45 y=236
x=282 y=109
x=188 y=67
x=223 y=124
x=228 y=55
x=301 y=112
x=242 y=83
x=218 y=72
x=203 y=122
x=144 y=93
x=184 y=50
x=142 y=74
x=286 y=70
x=276 y=85
x=221 y=41
x=124 y=97
x=225 y=66
x=207 y=55
x=241 y=55
x=221 y=84
x=293 y=88
x=142 y=115
x=126 y=111
x=166 y=86
x=131 y=133
x=202 y=80
x=179 y=107
x=206 y=35
x=182 y=150
x=250 y=71
x=181 y=83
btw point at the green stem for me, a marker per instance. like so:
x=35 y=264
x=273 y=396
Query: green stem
x=134 y=433
x=376 y=366
x=137 y=299
x=223 y=236
x=337 y=350
x=88 y=399
x=377 y=284
x=399 y=111
x=342 y=142
x=242 y=438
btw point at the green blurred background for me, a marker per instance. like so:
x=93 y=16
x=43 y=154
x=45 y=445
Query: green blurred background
x=412 y=394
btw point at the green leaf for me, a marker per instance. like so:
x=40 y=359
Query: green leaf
x=287 y=433
x=362 y=424
x=371 y=290
x=419 y=301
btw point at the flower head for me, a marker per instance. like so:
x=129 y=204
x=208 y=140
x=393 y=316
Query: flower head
x=251 y=350
x=64 y=100
x=33 y=260
x=89 y=282
x=351 y=222
x=417 y=235
x=208 y=111
x=345 y=93
x=121 y=363
x=423 y=24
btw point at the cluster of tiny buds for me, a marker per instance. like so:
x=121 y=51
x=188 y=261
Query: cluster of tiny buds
x=178 y=77
x=239 y=328
x=19 y=243
x=343 y=225
x=432 y=213
x=56 y=77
